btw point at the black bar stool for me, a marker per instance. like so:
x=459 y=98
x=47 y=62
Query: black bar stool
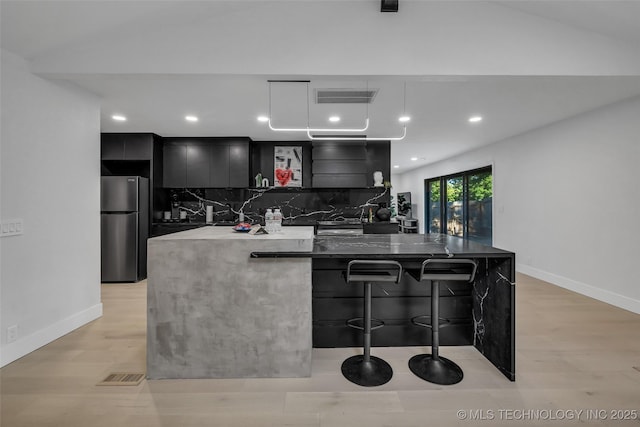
x=432 y=367
x=367 y=370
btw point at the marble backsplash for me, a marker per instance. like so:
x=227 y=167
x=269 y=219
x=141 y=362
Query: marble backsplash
x=298 y=206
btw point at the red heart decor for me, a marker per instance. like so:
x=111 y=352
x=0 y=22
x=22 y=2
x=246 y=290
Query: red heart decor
x=283 y=176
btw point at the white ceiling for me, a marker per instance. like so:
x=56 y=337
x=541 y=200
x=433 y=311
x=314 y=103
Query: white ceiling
x=229 y=104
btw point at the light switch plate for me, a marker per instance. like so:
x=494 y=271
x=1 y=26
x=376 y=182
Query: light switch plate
x=12 y=333
x=12 y=227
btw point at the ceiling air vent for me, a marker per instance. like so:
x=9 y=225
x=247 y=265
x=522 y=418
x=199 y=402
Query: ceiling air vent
x=345 y=96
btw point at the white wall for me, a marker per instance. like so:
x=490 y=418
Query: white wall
x=49 y=177
x=566 y=200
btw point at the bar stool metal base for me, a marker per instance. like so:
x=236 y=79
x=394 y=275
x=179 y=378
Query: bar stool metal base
x=368 y=374
x=438 y=371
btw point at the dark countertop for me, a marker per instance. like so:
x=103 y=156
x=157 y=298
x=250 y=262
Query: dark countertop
x=400 y=245
x=392 y=245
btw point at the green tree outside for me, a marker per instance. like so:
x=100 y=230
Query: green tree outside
x=480 y=188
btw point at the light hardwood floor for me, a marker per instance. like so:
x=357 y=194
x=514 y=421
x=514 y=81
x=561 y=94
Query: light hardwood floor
x=573 y=353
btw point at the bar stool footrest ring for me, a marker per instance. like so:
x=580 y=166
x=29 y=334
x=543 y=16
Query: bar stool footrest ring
x=358 y=323
x=417 y=320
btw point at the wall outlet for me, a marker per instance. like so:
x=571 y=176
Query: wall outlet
x=12 y=227
x=12 y=333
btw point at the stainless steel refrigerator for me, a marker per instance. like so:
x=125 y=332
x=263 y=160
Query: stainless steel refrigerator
x=124 y=228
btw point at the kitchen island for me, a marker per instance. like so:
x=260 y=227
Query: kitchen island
x=224 y=304
x=214 y=312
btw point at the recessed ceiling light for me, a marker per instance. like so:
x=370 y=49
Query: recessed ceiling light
x=396 y=166
x=475 y=119
x=404 y=119
x=413 y=159
x=263 y=119
x=334 y=119
x=191 y=118
x=119 y=118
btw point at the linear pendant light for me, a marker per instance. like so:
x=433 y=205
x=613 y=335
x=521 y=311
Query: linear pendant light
x=308 y=129
x=365 y=138
x=357 y=138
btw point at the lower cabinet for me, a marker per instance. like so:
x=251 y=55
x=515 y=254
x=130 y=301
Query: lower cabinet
x=380 y=228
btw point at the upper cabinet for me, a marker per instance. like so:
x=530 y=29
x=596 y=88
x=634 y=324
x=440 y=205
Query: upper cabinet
x=349 y=164
x=238 y=153
x=225 y=162
x=206 y=162
x=174 y=166
x=126 y=146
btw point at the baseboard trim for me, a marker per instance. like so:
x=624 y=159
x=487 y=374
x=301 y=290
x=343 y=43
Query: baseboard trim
x=603 y=295
x=25 y=345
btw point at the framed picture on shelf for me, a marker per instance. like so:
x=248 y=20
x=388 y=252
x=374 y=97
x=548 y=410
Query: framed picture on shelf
x=287 y=166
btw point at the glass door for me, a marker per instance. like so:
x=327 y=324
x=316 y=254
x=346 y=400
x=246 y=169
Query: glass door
x=434 y=206
x=455 y=206
x=479 y=212
x=460 y=205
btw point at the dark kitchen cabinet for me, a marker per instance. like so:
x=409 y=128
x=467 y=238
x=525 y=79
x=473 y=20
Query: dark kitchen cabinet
x=238 y=165
x=349 y=164
x=174 y=166
x=138 y=147
x=336 y=180
x=126 y=146
x=111 y=146
x=198 y=166
x=219 y=165
x=339 y=166
x=339 y=150
x=206 y=162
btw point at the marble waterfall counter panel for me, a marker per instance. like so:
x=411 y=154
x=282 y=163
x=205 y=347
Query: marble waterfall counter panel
x=214 y=312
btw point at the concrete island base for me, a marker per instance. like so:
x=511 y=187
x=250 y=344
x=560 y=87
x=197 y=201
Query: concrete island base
x=214 y=312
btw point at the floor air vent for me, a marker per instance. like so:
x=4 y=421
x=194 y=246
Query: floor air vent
x=345 y=96
x=123 y=378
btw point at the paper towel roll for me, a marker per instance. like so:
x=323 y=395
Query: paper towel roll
x=209 y=214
